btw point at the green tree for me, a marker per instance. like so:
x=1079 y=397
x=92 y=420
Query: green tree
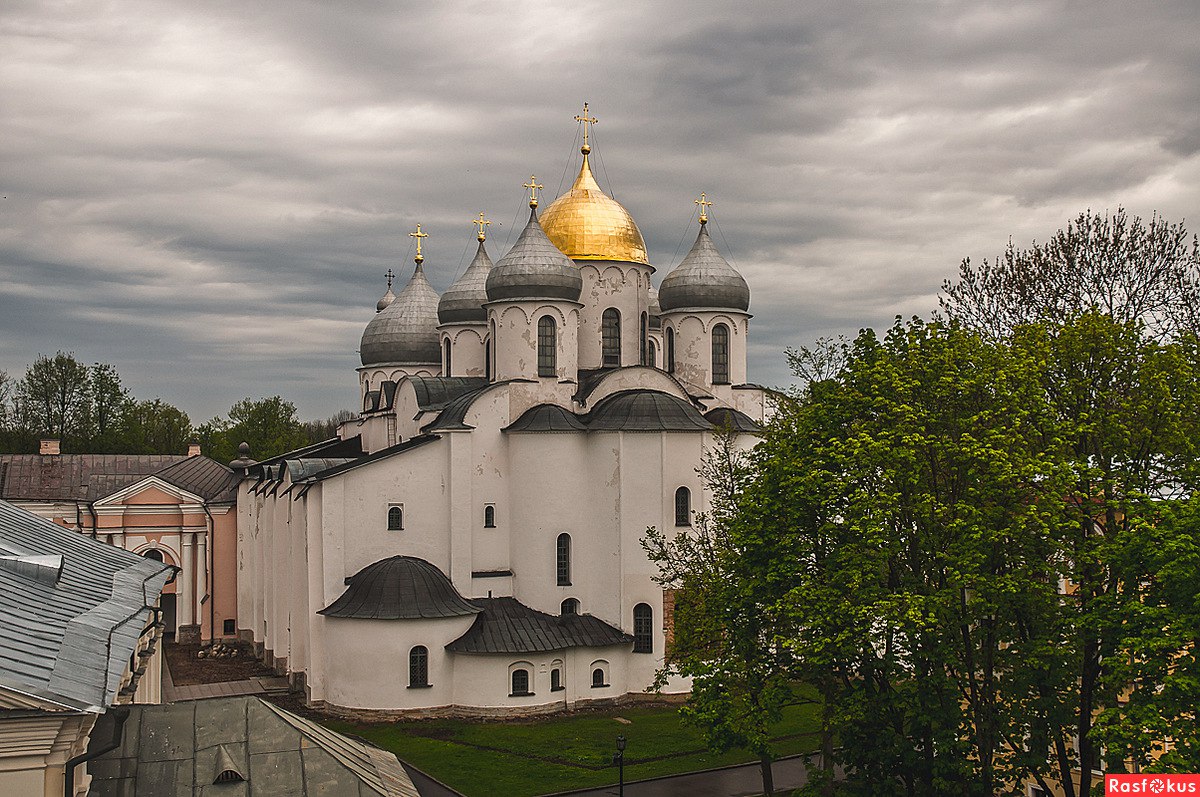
x=269 y=425
x=154 y=427
x=110 y=401
x=54 y=398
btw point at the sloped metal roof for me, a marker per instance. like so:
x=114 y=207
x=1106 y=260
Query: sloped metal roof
x=180 y=748
x=74 y=477
x=734 y=420
x=546 y=418
x=645 y=411
x=68 y=640
x=399 y=588
x=505 y=625
x=202 y=476
x=435 y=392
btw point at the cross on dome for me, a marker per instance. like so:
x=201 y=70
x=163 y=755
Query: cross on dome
x=391 y=275
x=481 y=222
x=420 y=258
x=704 y=206
x=534 y=186
x=588 y=120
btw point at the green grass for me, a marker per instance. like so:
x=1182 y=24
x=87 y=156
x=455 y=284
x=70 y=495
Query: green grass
x=538 y=756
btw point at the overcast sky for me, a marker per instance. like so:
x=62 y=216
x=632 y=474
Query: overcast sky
x=206 y=194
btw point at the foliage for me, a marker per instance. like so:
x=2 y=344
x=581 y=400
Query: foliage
x=154 y=427
x=269 y=425
x=53 y=398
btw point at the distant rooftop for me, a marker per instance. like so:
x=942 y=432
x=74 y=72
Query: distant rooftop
x=90 y=477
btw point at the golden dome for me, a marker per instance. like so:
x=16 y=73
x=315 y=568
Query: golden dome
x=587 y=224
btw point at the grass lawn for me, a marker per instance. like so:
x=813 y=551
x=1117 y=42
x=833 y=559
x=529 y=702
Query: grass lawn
x=538 y=756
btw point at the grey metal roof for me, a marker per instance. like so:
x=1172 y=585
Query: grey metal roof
x=406 y=330
x=645 y=411
x=534 y=269
x=178 y=749
x=704 y=279
x=453 y=414
x=399 y=588
x=202 y=476
x=68 y=640
x=546 y=418
x=655 y=309
x=731 y=419
x=435 y=392
x=301 y=469
x=508 y=626
x=462 y=303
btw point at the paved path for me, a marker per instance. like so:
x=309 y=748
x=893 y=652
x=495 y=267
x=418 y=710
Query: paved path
x=740 y=781
x=251 y=686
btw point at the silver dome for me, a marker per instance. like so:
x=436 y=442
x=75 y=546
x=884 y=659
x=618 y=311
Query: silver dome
x=704 y=279
x=406 y=330
x=386 y=299
x=462 y=303
x=534 y=269
x=655 y=310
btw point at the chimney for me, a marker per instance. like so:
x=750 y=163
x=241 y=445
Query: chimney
x=49 y=447
x=193 y=449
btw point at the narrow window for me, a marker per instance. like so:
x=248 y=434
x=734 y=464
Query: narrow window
x=547 y=347
x=610 y=335
x=651 y=354
x=396 y=518
x=556 y=680
x=446 y=356
x=520 y=682
x=569 y=606
x=720 y=354
x=228 y=629
x=670 y=350
x=564 y=560
x=683 y=507
x=598 y=678
x=643 y=628
x=489 y=517
x=418 y=667
x=490 y=353
x=644 y=337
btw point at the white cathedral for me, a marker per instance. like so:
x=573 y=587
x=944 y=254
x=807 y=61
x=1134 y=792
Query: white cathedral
x=471 y=542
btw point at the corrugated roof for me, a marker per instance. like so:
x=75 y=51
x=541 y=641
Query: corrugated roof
x=508 y=626
x=399 y=588
x=180 y=748
x=68 y=641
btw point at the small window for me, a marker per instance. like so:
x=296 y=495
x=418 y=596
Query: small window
x=598 y=679
x=489 y=516
x=154 y=554
x=644 y=337
x=446 y=356
x=651 y=353
x=556 y=680
x=683 y=507
x=563 y=556
x=643 y=628
x=520 y=683
x=418 y=667
x=229 y=628
x=569 y=606
x=720 y=355
x=610 y=337
x=547 y=350
x=396 y=517
x=670 y=353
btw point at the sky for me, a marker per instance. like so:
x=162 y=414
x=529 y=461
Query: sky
x=207 y=195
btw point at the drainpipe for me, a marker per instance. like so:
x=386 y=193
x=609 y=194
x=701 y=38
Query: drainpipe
x=120 y=715
x=95 y=517
x=212 y=575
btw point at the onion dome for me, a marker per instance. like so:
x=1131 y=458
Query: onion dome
x=655 y=309
x=704 y=279
x=462 y=303
x=388 y=297
x=399 y=588
x=406 y=330
x=587 y=224
x=534 y=268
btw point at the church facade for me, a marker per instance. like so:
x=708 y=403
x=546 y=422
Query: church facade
x=471 y=542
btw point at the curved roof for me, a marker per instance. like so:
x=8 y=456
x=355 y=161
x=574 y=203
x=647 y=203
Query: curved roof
x=406 y=330
x=453 y=414
x=704 y=279
x=435 y=392
x=534 y=269
x=731 y=419
x=587 y=224
x=399 y=588
x=462 y=303
x=546 y=418
x=645 y=411
x=505 y=625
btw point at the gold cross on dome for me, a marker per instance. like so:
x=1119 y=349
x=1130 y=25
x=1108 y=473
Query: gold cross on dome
x=533 y=187
x=390 y=276
x=704 y=206
x=588 y=120
x=481 y=222
x=419 y=235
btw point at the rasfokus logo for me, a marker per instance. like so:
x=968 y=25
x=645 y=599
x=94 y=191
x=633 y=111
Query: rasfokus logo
x=1151 y=784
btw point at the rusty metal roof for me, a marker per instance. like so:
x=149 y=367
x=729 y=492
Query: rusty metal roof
x=90 y=477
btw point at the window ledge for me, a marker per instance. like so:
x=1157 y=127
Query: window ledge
x=522 y=694
x=558 y=689
x=601 y=686
x=420 y=686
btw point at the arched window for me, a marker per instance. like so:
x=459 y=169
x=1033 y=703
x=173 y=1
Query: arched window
x=563 y=560
x=644 y=337
x=720 y=355
x=547 y=347
x=520 y=682
x=556 y=680
x=569 y=606
x=610 y=336
x=489 y=517
x=396 y=518
x=670 y=353
x=446 y=356
x=154 y=554
x=598 y=679
x=643 y=628
x=683 y=507
x=651 y=353
x=418 y=667
x=489 y=353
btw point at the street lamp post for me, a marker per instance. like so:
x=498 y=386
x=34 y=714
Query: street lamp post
x=619 y=760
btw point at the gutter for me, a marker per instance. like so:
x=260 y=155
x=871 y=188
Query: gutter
x=120 y=715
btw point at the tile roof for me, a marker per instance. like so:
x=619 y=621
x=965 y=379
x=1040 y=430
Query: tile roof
x=181 y=748
x=399 y=588
x=68 y=640
x=508 y=626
